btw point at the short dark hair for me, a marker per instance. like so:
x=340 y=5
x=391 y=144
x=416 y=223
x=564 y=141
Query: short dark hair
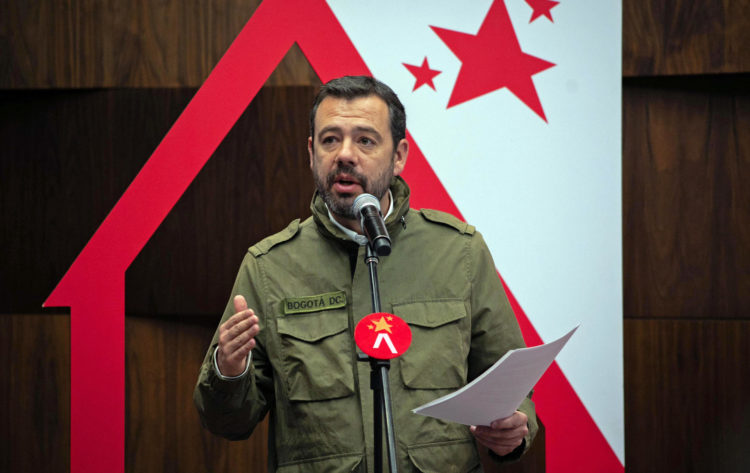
x=351 y=87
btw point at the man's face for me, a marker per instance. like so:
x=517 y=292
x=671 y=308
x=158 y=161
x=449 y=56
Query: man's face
x=353 y=152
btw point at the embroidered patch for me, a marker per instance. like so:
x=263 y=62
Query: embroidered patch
x=327 y=301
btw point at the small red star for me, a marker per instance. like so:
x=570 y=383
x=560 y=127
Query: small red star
x=423 y=74
x=492 y=59
x=542 y=7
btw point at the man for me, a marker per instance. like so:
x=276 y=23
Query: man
x=285 y=343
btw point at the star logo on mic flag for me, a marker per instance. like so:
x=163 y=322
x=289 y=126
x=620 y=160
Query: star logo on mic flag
x=382 y=325
x=382 y=336
x=492 y=59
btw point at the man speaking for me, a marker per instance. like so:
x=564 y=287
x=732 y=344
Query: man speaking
x=285 y=344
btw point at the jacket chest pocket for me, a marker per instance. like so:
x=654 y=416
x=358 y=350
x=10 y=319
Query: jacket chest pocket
x=317 y=355
x=439 y=345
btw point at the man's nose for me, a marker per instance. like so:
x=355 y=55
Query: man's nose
x=347 y=153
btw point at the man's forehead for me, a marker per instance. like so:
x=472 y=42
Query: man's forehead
x=359 y=110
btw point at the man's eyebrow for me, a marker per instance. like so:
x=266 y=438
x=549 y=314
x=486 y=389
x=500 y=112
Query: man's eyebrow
x=368 y=129
x=329 y=128
x=359 y=129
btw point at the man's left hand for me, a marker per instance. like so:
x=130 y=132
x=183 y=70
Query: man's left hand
x=503 y=435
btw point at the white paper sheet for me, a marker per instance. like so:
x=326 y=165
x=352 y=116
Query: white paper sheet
x=497 y=393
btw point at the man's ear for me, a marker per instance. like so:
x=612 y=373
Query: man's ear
x=399 y=158
x=310 y=150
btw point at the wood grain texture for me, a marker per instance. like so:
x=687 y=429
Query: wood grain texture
x=35 y=393
x=255 y=184
x=67 y=158
x=73 y=153
x=686 y=164
x=685 y=37
x=162 y=432
x=687 y=396
x=114 y=43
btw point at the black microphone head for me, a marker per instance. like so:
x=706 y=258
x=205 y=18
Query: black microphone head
x=367 y=208
x=362 y=201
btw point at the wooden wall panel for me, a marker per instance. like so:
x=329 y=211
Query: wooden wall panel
x=685 y=37
x=163 y=433
x=256 y=183
x=686 y=164
x=71 y=155
x=35 y=393
x=687 y=396
x=115 y=43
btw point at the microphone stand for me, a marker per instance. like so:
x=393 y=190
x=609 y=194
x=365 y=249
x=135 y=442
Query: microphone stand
x=379 y=382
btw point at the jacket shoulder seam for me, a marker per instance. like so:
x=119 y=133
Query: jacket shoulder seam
x=266 y=244
x=443 y=218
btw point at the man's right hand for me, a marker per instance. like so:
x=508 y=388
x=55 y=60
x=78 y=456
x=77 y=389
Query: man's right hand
x=236 y=339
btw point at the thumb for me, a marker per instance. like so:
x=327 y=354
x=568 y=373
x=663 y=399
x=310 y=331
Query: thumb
x=240 y=304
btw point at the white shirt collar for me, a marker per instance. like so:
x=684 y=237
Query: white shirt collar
x=361 y=240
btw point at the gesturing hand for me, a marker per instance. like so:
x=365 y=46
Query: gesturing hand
x=237 y=339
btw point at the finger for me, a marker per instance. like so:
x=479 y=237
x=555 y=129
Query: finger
x=511 y=422
x=492 y=442
x=239 y=355
x=245 y=349
x=501 y=435
x=236 y=335
x=237 y=319
x=501 y=448
x=508 y=441
x=240 y=303
x=232 y=340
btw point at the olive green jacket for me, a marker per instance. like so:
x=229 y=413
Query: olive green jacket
x=309 y=286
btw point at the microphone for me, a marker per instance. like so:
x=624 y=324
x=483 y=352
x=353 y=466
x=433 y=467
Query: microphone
x=367 y=208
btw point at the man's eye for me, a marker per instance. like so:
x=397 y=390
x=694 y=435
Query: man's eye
x=366 y=141
x=328 y=139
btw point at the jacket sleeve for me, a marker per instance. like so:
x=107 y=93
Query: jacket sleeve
x=494 y=329
x=232 y=408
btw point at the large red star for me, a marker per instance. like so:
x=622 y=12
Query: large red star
x=423 y=74
x=492 y=59
x=542 y=7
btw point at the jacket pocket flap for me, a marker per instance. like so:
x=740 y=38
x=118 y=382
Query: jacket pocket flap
x=332 y=464
x=431 y=313
x=313 y=327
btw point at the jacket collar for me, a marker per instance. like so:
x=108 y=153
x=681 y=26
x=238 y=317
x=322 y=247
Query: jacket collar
x=393 y=223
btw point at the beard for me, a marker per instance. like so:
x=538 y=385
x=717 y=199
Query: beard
x=341 y=204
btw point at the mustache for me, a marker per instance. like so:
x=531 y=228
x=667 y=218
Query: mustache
x=345 y=169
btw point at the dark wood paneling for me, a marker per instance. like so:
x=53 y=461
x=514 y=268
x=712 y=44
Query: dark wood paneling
x=687 y=396
x=35 y=393
x=685 y=37
x=294 y=70
x=67 y=157
x=72 y=154
x=254 y=185
x=686 y=165
x=114 y=43
x=163 y=433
